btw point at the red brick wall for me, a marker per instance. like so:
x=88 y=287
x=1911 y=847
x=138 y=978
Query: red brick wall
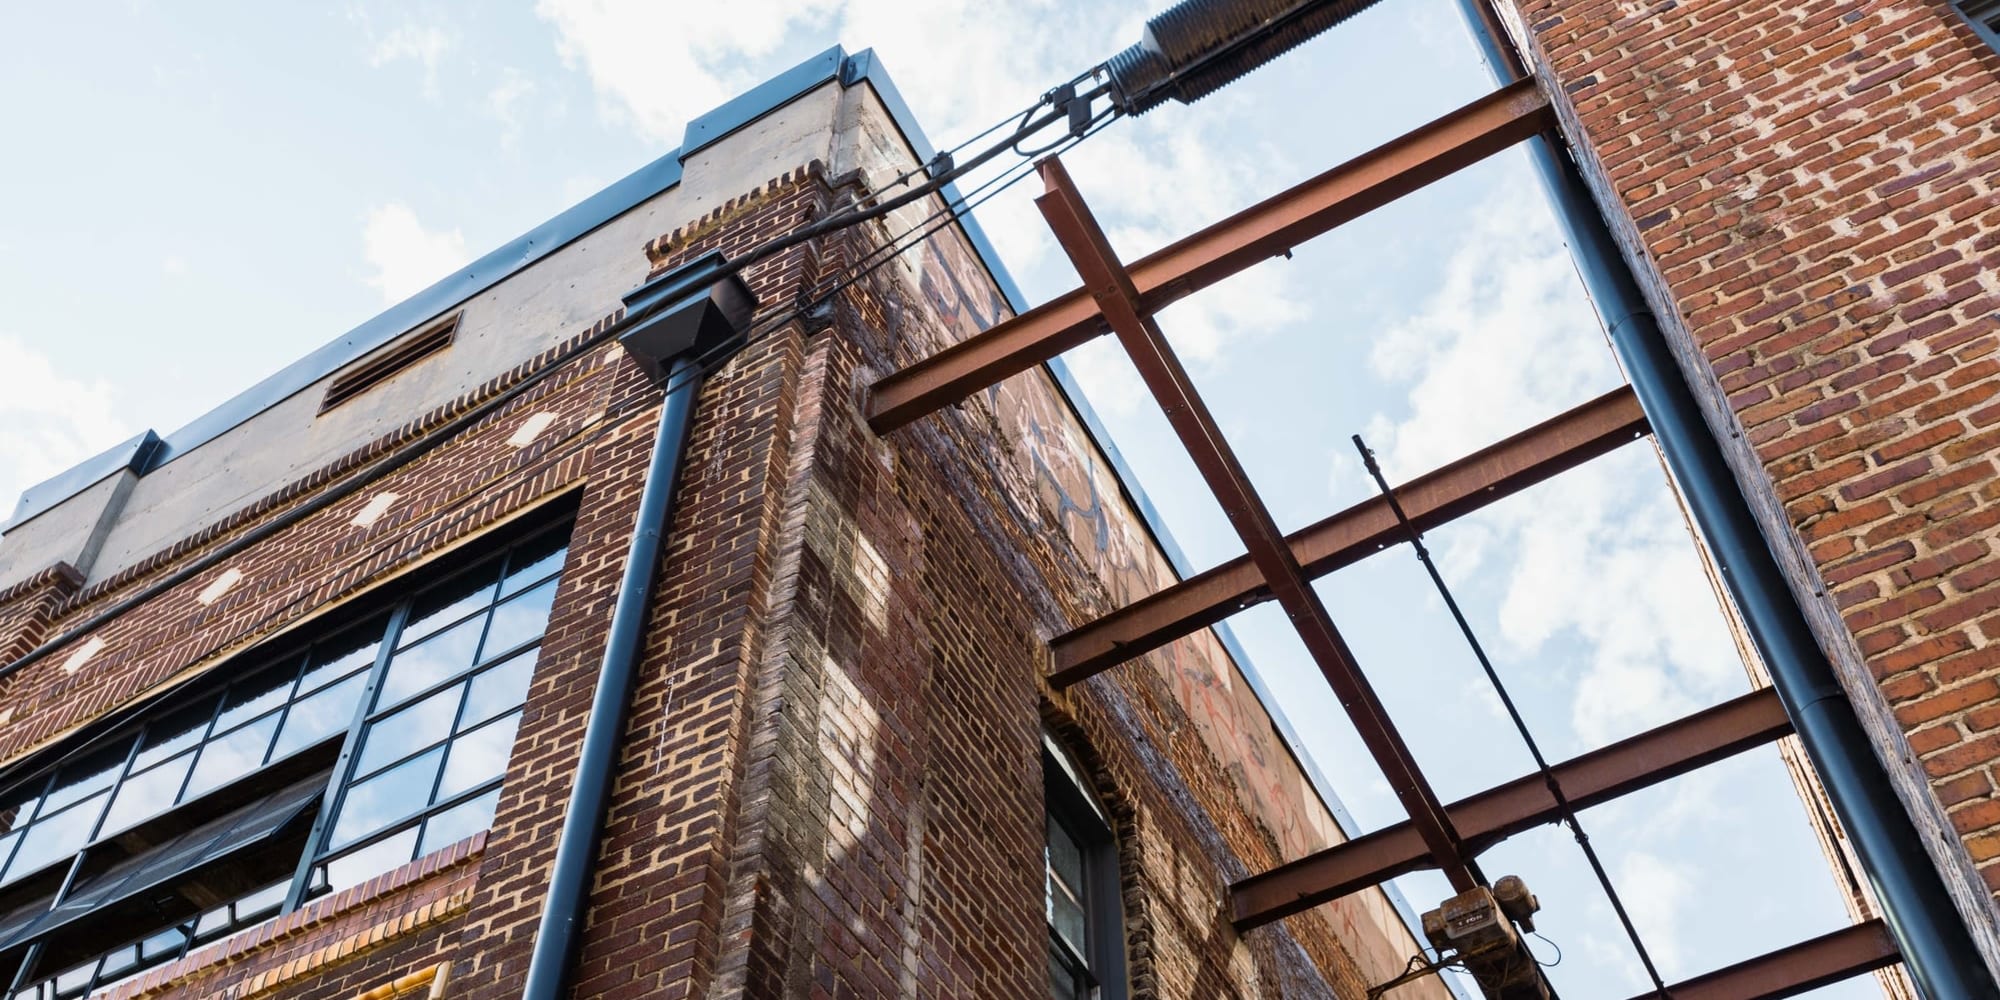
x=830 y=782
x=1811 y=192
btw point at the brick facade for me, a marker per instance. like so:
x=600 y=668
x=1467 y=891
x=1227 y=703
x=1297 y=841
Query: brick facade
x=1810 y=192
x=830 y=782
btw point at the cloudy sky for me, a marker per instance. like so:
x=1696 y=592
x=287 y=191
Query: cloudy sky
x=196 y=196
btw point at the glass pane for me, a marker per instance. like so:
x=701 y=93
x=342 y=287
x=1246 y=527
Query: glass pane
x=387 y=797
x=320 y=716
x=118 y=961
x=385 y=854
x=165 y=944
x=18 y=806
x=212 y=923
x=55 y=837
x=421 y=666
x=459 y=822
x=1066 y=982
x=534 y=561
x=147 y=793
x=175 y=732
x=77 y=978
x=338 y=659
x=409 y=730
x=448 y=604
x=520 y=620
x=1065 y=858
x=231 y=757
x=94 y=773
x=499 y=689
x=479 y=756
x=261 y=902
x=1067 y=919
x=253 y=697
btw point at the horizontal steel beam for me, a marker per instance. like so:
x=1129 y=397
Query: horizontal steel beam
x=1434 y=498
x=1491 y=816
x=1268 y=229
x=1788 y=972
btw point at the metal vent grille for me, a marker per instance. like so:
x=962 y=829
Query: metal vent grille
x=380 y=367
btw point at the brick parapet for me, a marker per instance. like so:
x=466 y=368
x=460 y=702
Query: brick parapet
x=1807 y=192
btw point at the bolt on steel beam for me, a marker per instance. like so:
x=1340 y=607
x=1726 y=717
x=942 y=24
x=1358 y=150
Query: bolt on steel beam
x=1268 y=229
x=1451 y=491
x=1488 y=817
x=1111 y=286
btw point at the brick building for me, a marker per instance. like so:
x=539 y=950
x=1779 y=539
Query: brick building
x=295 y=695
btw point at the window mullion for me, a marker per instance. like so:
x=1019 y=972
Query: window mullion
x=349 y=744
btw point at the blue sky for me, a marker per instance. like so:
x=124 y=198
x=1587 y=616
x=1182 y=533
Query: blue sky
x=199 y=194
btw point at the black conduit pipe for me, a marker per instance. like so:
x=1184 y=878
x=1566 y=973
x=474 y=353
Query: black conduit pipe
x=1937 y=948
x=568 y=899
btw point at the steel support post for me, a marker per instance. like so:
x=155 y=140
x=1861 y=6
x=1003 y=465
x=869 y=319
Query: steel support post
x=1936 y=945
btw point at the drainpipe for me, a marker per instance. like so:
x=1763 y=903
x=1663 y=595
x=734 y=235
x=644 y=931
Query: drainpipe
x=673 y=324
x=1937 y=948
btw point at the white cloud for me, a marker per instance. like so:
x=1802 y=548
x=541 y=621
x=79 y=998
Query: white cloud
x=425 y=45
x=502 y=103
x=404 y=255
x=48 y=420
x=1656 y=892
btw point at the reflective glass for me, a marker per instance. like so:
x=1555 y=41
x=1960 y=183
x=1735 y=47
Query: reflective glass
x=459 y=822
x=164 y=944
x=93 y=773
x=56 y=836
x=499 y=689
x=118 y=961
x=519 y=620
x=18 y=807
x=1065 y=858
x=335 y=660
x=1066 y=916
x=147 y=793
x=253 y=697
x=320 y=716
x=479 y=756
x=231 y=757
x=174 y=732
x=387 y=797
x=418 y=667
x=447 y=604
x=368 y=862
x=407 y=731
x=533 y=562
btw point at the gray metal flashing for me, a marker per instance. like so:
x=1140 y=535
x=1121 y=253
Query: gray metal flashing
x=133 y=454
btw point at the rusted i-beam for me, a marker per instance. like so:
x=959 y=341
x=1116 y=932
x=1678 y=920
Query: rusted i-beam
x=1788 y=972
x=1118 y=299
x=1452 y=491
x=1267 y=229
x=1488 y=817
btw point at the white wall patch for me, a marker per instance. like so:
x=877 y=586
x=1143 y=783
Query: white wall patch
x=378 y=505
x=213 y=592
x=531 y=429
x=82 y=655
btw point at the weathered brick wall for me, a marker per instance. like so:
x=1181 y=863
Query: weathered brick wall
x=830 y=781
x=1808 y=188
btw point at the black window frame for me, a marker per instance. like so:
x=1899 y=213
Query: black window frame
x=1070 y=807
x=1984 y=16
x=315 y=775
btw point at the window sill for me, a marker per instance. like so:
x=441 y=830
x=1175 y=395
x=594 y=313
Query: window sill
x=314 y=917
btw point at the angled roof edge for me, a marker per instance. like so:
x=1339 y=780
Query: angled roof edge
x=149 y=451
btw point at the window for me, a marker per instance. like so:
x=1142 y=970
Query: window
x=1985 y=17
x=1081 y=892
x=305 y=770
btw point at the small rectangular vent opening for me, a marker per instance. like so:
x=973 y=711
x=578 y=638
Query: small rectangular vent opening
x=387 y=362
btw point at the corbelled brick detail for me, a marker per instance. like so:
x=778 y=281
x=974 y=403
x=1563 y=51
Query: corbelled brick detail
x=1811 y=192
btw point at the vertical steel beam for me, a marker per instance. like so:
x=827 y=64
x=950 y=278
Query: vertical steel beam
x=1937 y=947
x=1111 y=286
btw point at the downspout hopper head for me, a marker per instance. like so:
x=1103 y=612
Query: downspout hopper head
x=688 y=311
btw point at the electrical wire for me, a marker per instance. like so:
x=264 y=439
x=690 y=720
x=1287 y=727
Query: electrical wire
x=1554 y=786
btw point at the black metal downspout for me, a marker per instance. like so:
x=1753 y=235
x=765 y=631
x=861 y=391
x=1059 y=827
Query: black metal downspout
x=1937 y=948
x=568 y=900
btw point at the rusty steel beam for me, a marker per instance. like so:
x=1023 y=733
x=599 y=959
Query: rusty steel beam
x=1270 y=228
x=1457 y=489
x=1111 y=286
x=1788 y=972
x=1486 y=818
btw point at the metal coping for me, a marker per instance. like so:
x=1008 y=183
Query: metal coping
x=149 y=451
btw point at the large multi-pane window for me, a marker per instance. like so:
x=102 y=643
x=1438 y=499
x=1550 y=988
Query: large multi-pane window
x=295 y=772
x=1985 y=18
x=1080 y=887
